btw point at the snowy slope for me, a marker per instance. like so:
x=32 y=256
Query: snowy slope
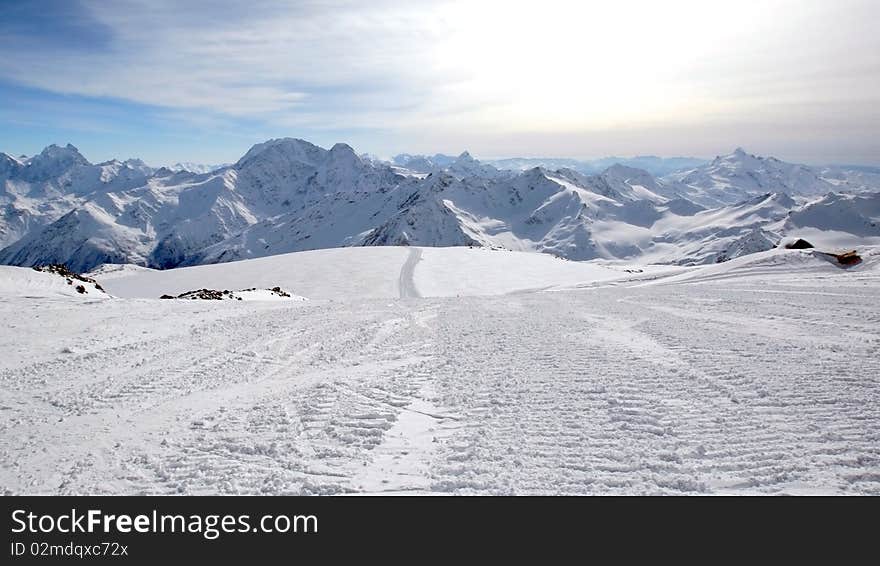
x=761 y=379
x=325 y=274
x=852 y=178
x=114 y=270
x=856 y=214
x=24 y=282
x=446 y=272
x=387 y=272
x=779 y=263
x=357 y=273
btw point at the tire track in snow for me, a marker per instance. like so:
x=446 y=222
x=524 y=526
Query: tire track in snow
x=406 y=283
x=280 y=435
x=613 y=391
x=596 y=395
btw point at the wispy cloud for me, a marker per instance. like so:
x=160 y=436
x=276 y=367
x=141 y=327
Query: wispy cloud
x=258 y=58
x=494 y=76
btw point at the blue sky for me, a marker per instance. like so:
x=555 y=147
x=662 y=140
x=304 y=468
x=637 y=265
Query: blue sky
x=202 y=81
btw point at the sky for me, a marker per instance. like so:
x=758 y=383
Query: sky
x=171 y=81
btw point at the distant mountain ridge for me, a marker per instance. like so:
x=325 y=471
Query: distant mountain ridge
x=193 y=167
x=657 y=166
x=289 y=195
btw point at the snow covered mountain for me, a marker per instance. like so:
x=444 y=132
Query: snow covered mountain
x=37 y=191
x=852 y=177
x=462 y=166
x=855 y=213
x=193 y=167
x=658 y=166
x=423 y=163
x=287 y=195
x=537 y=210
x=738 y=176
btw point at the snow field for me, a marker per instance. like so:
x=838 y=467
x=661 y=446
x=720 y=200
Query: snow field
x=373 y=272
x=765 y=383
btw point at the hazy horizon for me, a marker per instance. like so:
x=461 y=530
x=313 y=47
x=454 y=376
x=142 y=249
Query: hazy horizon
x=203 y=82
x=179 y=161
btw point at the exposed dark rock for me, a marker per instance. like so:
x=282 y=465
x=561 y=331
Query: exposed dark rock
x=799 y=244
x=63 y=271
x=226 y=294
x=279 y=292
x=205 y=294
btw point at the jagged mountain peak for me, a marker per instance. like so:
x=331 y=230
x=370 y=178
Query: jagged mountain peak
x=9 y=167
x=53 y=147
x=288 y=194
x=621 y=171
x=344 y=153
x=619 y=168
x=67 y=154
x=287 y=148
x=466 y=166
x=6 y=158
x=341 y=147
x=739 y=176
x=739 y=156
x=535 y=173
x=53 y=162
x=68 y=151
x=735 y=157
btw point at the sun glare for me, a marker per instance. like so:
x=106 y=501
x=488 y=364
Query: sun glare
x=572 y=65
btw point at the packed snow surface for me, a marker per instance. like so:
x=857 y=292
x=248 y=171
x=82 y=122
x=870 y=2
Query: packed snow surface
x=357 y=273
x=757 y=376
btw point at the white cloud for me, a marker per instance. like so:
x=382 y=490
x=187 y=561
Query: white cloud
x=457 y=70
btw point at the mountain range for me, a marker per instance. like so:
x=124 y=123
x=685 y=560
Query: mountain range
x=288 y=195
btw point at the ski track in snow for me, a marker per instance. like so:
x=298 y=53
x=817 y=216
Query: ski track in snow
x=406 y=283
x=713 y=387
